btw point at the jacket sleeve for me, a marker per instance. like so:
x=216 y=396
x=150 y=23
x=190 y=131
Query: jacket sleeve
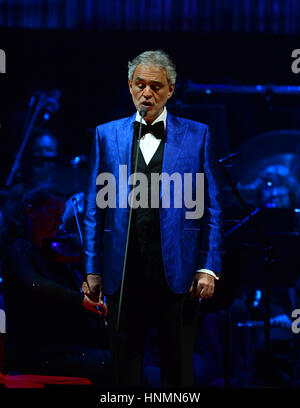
x=93 y=216
x=212 y=220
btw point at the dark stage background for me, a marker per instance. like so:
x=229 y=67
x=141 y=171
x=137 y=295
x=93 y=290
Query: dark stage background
x=82 y=48
x=90 y=70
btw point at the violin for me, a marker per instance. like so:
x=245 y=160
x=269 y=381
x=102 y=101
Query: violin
x=65 y=249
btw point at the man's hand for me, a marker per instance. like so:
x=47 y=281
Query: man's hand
x=203 y=286
x=92 y=288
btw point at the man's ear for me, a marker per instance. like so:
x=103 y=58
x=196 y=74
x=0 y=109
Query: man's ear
x=171 y=90
x=130 y=86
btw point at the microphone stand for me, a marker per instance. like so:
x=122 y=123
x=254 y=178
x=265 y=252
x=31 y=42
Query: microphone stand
x=143 y=113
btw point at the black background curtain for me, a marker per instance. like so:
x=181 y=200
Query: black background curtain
x=244 y=16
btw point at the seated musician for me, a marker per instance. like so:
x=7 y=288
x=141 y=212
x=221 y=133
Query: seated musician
x=52 y=327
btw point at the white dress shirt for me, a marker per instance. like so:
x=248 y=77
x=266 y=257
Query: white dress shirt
x=149 y=145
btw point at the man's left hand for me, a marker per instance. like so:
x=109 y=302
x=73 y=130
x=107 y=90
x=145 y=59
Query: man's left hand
x=203 y=286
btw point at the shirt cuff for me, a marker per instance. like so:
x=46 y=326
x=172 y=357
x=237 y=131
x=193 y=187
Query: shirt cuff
x=209 y=272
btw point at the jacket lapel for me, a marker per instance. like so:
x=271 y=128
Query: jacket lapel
x=175 y=132
x=125 y=140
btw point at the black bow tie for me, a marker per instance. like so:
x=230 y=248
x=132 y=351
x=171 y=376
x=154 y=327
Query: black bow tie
x=157 y=130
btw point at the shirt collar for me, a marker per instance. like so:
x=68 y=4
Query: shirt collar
x=162 y=116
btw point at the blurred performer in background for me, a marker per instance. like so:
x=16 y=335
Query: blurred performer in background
x=44 y=162
x=50 y=324
x=277 y=187
x=45 y=144
x=40 y=163
x=172 y=261
x=248 y=337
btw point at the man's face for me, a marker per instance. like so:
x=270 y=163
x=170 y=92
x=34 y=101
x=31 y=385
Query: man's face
x=45 y=146
x=149 y=87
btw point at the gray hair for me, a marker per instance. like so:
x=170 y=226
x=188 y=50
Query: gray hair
x=157 y=58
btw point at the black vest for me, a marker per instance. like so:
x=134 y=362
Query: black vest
x=145 y=229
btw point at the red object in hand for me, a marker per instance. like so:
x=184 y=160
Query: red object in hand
x=102 y=309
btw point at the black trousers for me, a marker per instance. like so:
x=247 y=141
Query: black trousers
x=147 y=299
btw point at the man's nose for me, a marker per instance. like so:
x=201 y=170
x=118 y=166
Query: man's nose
x=147 y=92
